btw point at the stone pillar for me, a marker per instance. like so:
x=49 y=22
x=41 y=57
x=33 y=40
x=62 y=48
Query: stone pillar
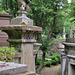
x=71 y=65
x=63 y=63
x=71 y=33
x=27 y=47
x=27 y=56
x=64 y=34
x=25 y=43
x=74 y=35
x=27 y=38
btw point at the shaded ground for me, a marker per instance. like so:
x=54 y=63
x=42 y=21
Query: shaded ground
x=54 y=70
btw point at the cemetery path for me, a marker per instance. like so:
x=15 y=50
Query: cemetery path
x=53 y=70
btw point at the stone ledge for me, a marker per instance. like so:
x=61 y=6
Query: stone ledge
x=8 y=68
x=71 y=56
x=21 y=40
x=21 y=27
x=68 y=44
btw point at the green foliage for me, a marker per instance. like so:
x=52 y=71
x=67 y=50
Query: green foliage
x=45 y=13
x=39 y=61
x=6 y=53
x=10 y=6
x=59 y=37
x=3 y=12
x=54 y=60
x=38 y=73
x=47 y=63
x=68 y=16
x=59 y=57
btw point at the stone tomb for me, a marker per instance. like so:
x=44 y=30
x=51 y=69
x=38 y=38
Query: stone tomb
x=68 y=58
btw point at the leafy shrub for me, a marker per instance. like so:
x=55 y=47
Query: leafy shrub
x=51 y=57
x=55 y=59
x=53 y=62
x=6 y=53
x=38 y=73
x=39 y=61
x=59 y=57
x=47 y=64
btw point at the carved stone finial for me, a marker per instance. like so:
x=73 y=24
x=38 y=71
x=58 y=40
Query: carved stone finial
x=22 y=19
x=23 y=5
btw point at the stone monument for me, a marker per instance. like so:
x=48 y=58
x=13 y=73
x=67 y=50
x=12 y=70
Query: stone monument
x=64 y=34
x=21 y=34
x=68 y=56
x=71 y=32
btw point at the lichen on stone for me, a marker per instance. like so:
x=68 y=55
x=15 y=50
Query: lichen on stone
x=3 y=12
x=23 y=23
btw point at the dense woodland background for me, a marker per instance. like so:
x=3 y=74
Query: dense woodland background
x=51 y=15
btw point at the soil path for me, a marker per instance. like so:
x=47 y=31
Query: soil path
x=54 y=70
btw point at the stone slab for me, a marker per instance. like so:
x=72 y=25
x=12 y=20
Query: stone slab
x=8 y=68
x=68 y=44
x=21 y=27
x=71 y=56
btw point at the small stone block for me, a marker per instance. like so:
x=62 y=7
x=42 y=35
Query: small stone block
x=8 y=68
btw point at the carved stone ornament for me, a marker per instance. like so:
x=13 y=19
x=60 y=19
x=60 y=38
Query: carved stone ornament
x=24 y=5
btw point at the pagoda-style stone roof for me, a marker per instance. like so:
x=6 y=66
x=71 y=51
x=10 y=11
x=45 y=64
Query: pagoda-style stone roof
x=21 y=27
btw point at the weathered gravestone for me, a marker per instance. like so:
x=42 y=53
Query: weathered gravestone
x=21 y=34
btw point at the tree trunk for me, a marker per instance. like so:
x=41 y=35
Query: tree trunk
x=42 y=63
x=6 y=5
x=35 y=58
x=11 y=4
